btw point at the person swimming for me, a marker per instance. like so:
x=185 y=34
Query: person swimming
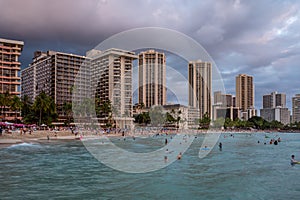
x=293 y=161
x=179 y=156
x=166 y=158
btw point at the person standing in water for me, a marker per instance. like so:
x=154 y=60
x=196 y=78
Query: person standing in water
x=220 y=145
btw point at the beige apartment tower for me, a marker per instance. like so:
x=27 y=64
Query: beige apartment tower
x=112 y=81
x=152 y=78
x=10 y=66
x=200 y=88
x=244 y=92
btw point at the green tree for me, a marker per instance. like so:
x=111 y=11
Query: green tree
x=28 y=113
x=45 y=107
x=142 y=118
x=5 y=103
x=157 y=116
x=16 y=105
x=204 y=122
x=219 y=123
x=67 y=108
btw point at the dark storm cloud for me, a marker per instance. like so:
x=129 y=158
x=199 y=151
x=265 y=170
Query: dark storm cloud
x=256 y=37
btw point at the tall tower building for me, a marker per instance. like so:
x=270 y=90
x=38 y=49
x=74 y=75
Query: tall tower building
x=224 y=100
x=274 y=100
x=54 y=73
x=200 y=88
x=274 y=108
x=10 y=66
x=296 y=108
x=152 y=78
x=112 y=81
x=244 y=92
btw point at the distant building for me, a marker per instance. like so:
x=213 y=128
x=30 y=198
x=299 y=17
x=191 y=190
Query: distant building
x=274 y=108
x=296 y=108
x=224 y=106
x=232 y=113
x=54 y=73
x=152 y=78
x=274 y=100
x=279 y=114
x=223 y=99
x=178 y=110
x=200 y=87
x=193 y=117
x=112 y=81
x=244 y=92
x=10 y=51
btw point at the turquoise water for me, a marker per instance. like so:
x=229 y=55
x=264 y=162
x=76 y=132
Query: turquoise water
x=244 y=169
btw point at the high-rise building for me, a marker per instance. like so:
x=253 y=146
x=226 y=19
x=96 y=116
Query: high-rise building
x=10 y=66
x=279 y=114
x=152 y=78
x=200 y=88
x=296 y=108
x=244 y=92
x=54 y=73
x=224 y=100
x=274 y=100
x=274 y=108
x=224 y=106
x=112 y=82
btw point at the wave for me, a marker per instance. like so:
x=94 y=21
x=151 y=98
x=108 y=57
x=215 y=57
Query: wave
x=24 y=144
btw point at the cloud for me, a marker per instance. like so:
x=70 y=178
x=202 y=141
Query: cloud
x=256 y=37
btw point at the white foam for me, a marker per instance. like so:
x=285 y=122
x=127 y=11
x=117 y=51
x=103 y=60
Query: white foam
x=24 y=144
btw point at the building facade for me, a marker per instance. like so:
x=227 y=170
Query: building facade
x=274 y=100
x=223 y=99
x=200 y=88
x=112 y=82
x=279 y=114
x=10 y=66
x=296 y=108
x=53 y=73
x=274 y=108
x=180 y=112
x=152 y=78
x=244 y=92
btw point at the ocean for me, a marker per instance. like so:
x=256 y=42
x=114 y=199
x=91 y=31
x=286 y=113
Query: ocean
x=243 y=169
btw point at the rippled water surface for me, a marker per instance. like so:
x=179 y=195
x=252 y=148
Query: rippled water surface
x=244 y=169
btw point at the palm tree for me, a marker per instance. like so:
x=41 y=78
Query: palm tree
x=67 y=108
x=5 y=101
x=16 y=105
x=27 y=111
x=42 y=104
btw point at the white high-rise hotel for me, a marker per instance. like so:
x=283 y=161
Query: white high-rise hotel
x=200 y=87
x=112 y=81
x=152 y=78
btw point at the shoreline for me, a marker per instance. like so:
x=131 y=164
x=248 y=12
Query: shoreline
x=10 y=139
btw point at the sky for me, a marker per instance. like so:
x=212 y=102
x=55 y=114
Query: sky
x=258 y=38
